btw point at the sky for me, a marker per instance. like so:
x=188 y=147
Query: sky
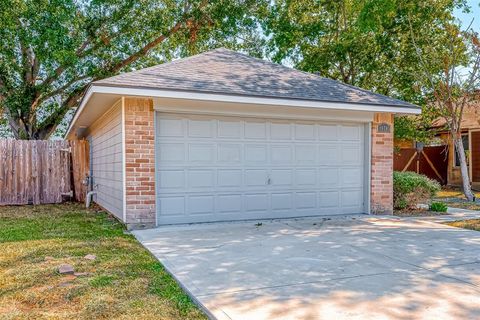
x=474 y=14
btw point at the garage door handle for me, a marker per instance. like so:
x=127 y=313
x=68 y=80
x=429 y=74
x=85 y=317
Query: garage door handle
x=269 y=181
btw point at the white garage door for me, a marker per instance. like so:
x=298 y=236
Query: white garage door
x=214 y=168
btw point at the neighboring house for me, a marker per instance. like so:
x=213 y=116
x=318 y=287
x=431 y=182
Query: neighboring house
x=471 y=143
x=222 y=136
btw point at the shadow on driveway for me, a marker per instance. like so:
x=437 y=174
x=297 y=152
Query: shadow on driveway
x=344 y=268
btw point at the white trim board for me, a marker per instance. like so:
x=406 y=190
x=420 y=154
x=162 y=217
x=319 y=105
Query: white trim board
x=251 y=99
x=188 y=107
x=124 y=164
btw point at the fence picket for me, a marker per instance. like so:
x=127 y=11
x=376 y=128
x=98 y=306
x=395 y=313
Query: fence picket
x=38 y=172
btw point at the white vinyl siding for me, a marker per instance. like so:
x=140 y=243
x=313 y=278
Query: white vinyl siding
x=107 y=160
x=215 y=168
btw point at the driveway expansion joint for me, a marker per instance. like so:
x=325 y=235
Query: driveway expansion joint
x=298 y=283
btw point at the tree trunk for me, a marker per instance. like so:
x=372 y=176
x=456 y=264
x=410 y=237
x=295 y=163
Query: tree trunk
x=467 y=188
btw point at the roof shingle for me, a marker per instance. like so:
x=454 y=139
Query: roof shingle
x=224 y=71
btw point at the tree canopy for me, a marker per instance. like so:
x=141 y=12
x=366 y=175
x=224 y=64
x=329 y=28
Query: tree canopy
x=366 y=43
x=52 y=49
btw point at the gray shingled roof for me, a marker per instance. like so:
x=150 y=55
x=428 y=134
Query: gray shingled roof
x=224 y=71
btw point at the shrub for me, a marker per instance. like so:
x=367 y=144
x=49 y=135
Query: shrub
x=411 y=189
x=438 y=207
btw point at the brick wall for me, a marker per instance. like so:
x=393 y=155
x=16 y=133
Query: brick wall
x=140 y=162
x=382 y=166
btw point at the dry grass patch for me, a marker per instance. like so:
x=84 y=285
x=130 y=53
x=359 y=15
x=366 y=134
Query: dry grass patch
x=473 y=224
x=455 y=198
x=123 y=282
x=452 y=192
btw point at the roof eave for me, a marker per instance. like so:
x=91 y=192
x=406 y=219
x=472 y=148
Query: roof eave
x=97 y=88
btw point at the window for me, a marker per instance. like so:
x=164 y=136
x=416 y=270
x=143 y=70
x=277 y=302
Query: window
x=466 y=147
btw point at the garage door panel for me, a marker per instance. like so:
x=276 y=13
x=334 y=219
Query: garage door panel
x=306 y=178
x=328 y=177
x=170 y=127
x=329 y=199
x=327 y=132
x=280 y=131
x=171 y=179
x=256 y=177
x=350 y=133
x=351 y=177
x=281 y=178
x=255 y=153
x=351 y=198
x=200 y=128
x=351 y=155
x=200 y=204
x=201 y=179
x=281 y=154
x=230 y=129
x=229 y=178
x=255 y=130
x=305 y=200
x=306 y=154
x=229 y=153
x=328 y=154
x=172 y=205
x=305 y=131
x=171 y=152
x=201 y=153
x=282 y=201
x=256 y=202
x=226 y=168
x=229 y=203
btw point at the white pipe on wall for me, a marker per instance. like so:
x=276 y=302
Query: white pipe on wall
x=88 y=198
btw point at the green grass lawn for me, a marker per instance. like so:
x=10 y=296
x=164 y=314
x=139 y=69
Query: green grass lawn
x=123 y=282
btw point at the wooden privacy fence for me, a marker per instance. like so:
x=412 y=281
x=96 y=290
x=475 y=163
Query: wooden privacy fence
x=40 y=171
x=431 y=161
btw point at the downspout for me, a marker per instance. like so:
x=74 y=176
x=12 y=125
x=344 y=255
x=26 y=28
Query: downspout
x=89 y=197
x=89 y=178
x=90 y=193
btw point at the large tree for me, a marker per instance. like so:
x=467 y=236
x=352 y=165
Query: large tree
x=366 y=43
x=50 y=50
x=456 y=88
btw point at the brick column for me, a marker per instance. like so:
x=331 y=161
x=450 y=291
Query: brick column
x=140 y=162
x=382 y=166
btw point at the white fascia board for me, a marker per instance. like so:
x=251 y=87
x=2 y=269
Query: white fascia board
x=160 y=93
x=80 y=108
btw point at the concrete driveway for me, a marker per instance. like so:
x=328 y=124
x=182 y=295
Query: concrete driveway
x=344 y=268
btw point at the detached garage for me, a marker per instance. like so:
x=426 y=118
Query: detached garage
x=222 y=136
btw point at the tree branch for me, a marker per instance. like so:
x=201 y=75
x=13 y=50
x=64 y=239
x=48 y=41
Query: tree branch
x=62 y=88
x=152 y=44
x=145 y=49
x=60 y=69
x=48 y=126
